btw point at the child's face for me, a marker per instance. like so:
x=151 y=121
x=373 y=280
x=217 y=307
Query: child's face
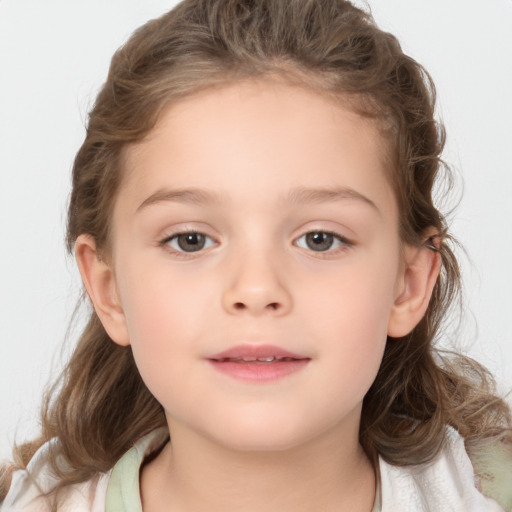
x=258 y=167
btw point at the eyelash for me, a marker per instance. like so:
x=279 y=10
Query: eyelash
x=174 y=236
x=344 y=242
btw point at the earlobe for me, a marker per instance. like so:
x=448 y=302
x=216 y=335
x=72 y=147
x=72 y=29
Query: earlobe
x=99 y=281
x=422 y=267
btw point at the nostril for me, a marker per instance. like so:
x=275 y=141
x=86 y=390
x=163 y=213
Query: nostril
x=239 y=306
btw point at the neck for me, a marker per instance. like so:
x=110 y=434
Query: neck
x=194 y=474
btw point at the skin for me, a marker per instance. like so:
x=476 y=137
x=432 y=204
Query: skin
x=242 y=445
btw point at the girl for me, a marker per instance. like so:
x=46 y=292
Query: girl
x=253 y=222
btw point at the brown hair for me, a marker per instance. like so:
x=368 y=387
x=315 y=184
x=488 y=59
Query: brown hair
x=100 y=406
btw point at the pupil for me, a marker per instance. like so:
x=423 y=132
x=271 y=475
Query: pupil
x=191 y=242
x=319 y=241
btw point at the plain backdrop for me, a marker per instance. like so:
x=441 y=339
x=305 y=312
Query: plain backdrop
x=54 y=56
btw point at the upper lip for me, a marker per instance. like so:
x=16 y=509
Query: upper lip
x=256 y=352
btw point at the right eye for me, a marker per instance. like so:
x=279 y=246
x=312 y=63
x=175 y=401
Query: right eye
x=188 y=242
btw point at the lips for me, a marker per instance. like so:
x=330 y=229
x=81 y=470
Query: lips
x=256 y=352
x=258 y=363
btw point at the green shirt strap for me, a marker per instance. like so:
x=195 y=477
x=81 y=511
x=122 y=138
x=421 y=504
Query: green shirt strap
x=123 y=491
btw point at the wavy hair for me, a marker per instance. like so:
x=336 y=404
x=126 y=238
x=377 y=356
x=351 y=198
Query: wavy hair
x=100 y=405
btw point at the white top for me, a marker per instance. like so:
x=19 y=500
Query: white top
x=447 y=484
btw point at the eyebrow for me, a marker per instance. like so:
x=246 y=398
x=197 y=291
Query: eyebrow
x=298 y=195
x=303 y=195
x=186 y=195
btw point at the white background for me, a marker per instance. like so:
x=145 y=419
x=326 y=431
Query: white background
x=54 y=55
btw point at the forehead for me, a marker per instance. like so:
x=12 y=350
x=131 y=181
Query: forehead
x=265 y=135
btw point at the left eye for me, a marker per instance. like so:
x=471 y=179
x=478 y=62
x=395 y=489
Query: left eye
x=321 y=241
x=189 y=242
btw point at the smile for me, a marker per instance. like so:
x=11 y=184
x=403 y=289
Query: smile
x=258 y=363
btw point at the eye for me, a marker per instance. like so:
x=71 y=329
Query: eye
x=322 y=241
x=190 y=241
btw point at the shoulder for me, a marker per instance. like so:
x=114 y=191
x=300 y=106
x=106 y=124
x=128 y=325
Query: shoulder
x=31 y=489
x=114 y=491
x=451 y=482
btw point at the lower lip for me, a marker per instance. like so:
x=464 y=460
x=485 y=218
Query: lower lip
x=259 y=372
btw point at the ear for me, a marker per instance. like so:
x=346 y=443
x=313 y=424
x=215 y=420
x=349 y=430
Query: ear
x=99 y=281
x=417 y=280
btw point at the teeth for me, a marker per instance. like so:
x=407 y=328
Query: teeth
x=252 y=359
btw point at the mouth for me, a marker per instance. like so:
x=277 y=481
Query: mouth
x=261 y=360
x=258 y=363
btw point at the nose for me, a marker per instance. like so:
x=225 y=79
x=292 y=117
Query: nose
x=255 y=287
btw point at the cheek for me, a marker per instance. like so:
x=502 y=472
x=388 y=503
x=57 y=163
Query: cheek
x=161 y=312
x=163 y=339
x=159 y=301
x=349 y=318
x=356 y=299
